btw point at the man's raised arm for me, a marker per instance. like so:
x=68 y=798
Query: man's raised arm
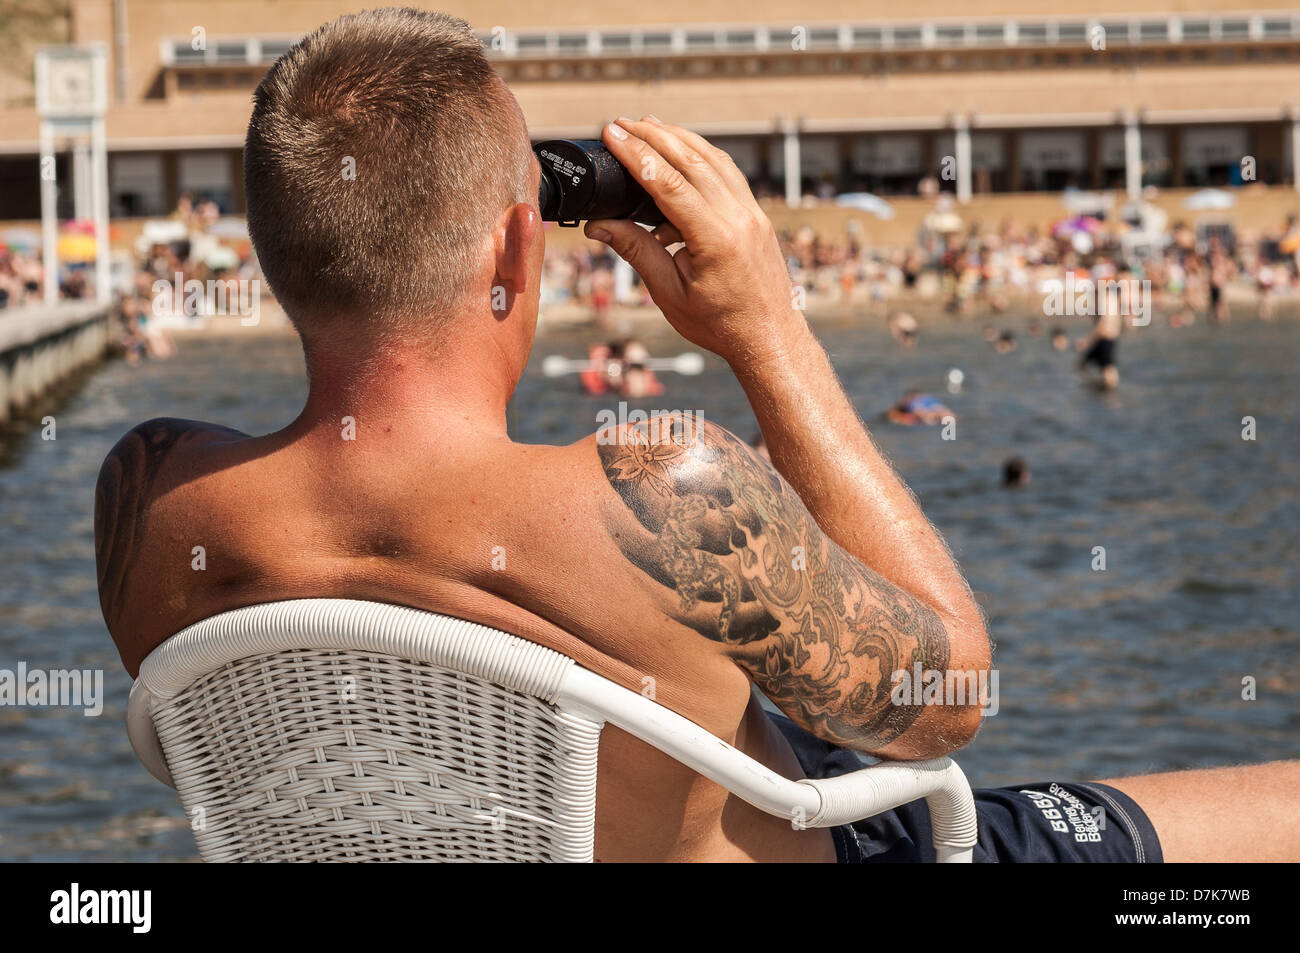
x=728 y=290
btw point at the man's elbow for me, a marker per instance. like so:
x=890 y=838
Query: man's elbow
x=970 y=686
x=954 y=698
x=961 y=727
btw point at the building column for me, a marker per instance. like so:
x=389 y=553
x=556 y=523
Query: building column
x=49 y=214
x=963 y=159
x=793 y=169
x=1295 y=151
x=1132 y=157
x=99 y=173
x=81 y=182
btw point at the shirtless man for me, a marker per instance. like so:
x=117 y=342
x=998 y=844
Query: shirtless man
x=1100 y=345
x=414 y=287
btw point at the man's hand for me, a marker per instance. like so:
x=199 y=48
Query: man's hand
x=728 y=289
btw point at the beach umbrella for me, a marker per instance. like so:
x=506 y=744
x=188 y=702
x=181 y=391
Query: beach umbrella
x=21 y=239
x=1087 y=203
x=1069 y=227
x=75 y=247
x=943 y=222
x=163 y=231
x=1209 y=200
x=229 y=228
x=866 y=202
x=221 y=258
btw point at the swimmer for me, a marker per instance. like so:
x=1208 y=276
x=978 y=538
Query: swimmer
x=1006 y=343
x=1015 y=473
x=904 y=328
x=638 y=379
x=917 y=407
x=1100 y=346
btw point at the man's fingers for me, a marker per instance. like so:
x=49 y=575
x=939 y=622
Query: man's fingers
x=684 y=157
x=642 y=251
x=680 y=201
x=722 y=163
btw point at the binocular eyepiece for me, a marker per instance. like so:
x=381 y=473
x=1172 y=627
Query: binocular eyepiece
x=581 y=180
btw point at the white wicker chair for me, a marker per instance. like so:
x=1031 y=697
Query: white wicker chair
x=332 y=730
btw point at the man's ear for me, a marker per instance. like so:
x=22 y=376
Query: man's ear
x=513 y=239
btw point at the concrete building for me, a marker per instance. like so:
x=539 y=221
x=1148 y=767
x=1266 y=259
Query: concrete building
x=985 y=96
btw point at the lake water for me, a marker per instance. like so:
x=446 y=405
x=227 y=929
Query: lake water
x=1136 y=668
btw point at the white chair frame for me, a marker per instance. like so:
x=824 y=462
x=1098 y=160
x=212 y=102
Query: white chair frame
x=335 y=729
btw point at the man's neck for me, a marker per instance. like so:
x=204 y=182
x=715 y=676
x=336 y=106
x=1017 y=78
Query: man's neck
x=460 y=383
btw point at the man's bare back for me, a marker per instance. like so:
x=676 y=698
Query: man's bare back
x=508 y=536
x=544 y=542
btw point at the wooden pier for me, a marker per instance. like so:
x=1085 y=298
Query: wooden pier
x=40 y=346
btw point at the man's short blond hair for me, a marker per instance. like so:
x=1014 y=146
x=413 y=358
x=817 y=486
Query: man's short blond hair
x=381 y=149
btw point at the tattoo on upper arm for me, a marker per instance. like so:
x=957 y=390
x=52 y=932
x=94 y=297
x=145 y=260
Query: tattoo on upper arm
x=122 y=496
x=820 y=633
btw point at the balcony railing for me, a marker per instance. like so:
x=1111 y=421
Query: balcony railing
x=611 y=42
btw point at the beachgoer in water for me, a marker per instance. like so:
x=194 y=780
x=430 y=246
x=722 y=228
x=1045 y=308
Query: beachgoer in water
x=1015 y=473
x=917 y=407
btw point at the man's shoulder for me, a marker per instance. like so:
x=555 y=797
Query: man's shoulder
x=664 y=469
x=137 y=471
x=142 y=449
x=675 y=453
x=165 y=432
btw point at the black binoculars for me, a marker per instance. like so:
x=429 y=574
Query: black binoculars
x=581 y=181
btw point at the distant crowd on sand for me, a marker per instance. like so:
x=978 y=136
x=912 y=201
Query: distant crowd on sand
x=1193 y=269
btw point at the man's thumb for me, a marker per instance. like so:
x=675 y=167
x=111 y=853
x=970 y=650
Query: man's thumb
x=636 y=246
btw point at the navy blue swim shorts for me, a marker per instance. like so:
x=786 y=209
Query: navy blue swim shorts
x=1042 y=822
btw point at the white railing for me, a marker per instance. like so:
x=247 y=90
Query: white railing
x=987 y=33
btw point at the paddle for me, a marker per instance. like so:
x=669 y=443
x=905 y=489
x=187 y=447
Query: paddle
x=691 y=362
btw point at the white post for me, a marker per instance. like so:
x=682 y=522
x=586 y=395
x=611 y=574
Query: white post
x=81 y=181
x=49 y=215
x=103 y=256
x=963 y=158
x=622 y=280
x=793 y=172
x=1132 y=157
x=1295 y=151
